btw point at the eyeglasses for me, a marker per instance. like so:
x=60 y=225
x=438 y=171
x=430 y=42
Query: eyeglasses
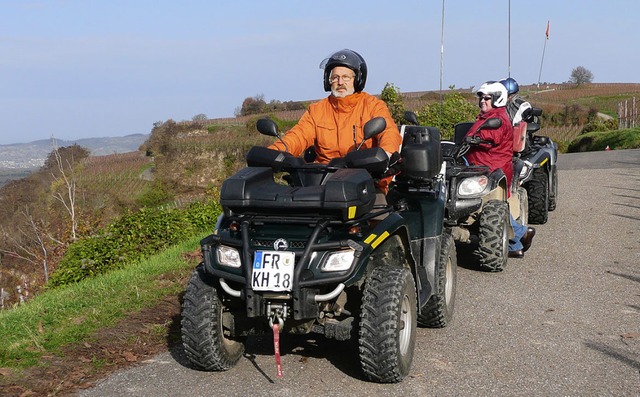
x=485 y=98
x=346 y=78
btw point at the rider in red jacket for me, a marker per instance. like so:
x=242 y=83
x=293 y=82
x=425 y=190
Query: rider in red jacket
x=492 y=98
x=499 y=153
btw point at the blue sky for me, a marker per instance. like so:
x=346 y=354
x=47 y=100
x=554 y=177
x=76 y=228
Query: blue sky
x=86 y=68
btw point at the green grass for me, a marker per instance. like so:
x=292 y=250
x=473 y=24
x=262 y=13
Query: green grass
x=597 y=140
x=63 y=316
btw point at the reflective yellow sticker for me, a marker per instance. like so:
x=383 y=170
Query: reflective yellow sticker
x=352 y=212
x=544 y=161
x=370 y=238
x=380 y=239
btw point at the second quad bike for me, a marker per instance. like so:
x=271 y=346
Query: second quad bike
x=478 y=200
x=538 y=170
x=323 y=252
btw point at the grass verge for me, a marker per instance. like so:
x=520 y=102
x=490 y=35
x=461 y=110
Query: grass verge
x=599 y=140
x=64 y=316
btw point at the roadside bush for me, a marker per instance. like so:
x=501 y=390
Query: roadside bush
x=131 y=238
x=455 y=108
x=600 y=125
x=392 y=97
x=598 y=140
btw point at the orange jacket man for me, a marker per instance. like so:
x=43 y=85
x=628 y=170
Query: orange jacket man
x=334 y=125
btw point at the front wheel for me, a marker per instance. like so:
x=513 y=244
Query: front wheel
x=438 y=311
x=493 y=244
x=203 y=337
x=388 y=324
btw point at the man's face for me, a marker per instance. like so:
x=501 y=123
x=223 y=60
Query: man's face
x=486 y=103
x=342 y=81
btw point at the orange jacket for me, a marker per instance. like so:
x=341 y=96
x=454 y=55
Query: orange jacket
x=334 y=126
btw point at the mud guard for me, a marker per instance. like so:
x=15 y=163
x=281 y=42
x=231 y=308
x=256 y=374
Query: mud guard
x=430 y=252
x=393 y=225
x=540 y=159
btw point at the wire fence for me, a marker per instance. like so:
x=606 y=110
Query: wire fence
x=563 y=133
x=628 y=113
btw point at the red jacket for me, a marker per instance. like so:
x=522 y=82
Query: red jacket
x=500 y=155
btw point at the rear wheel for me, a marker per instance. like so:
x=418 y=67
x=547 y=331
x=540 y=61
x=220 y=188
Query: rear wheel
x=438 y=311
x=388 y=324
x=538 y=191
x=203 y=331
x=493 y=244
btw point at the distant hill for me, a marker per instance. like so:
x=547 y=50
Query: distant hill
x=20 y=159
x=33 y=154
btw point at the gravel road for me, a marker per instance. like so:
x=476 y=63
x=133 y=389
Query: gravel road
x=563 y=321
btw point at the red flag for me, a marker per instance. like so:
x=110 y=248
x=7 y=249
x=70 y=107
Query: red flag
x=547 y=33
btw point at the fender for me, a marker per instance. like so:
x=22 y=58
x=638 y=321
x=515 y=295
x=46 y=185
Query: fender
x=395 y=226
x=554 y=153
x=390 y=226
x=541 y=158
x=498 y=185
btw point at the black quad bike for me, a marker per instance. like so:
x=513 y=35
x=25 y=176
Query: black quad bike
x=478 y=204
x=319 y=254
x=538 y=172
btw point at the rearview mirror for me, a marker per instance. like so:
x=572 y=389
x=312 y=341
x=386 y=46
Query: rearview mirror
x=491 y=124
x=374 y=126
x=267 y=127
x=411 y=117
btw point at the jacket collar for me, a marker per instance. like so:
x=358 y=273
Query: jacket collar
x=345 y=104
x=490 y=113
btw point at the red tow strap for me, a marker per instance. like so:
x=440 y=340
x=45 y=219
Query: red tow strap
x=276 y=348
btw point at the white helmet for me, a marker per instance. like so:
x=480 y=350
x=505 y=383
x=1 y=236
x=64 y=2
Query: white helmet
x=497 y=91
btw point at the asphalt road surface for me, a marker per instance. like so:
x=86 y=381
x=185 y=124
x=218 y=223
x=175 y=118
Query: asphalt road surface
x=562 y=321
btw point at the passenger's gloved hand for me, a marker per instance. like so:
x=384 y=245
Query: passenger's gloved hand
x=472 y=140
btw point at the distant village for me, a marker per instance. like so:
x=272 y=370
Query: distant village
x=22 y=164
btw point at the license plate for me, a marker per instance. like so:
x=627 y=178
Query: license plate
x=273 y=271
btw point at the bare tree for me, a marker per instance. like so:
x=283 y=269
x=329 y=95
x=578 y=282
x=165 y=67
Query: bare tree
x=67 y=177
x=4 y=296
x=30 y=245
x=581 y=75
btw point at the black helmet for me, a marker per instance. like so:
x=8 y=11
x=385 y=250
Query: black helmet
x=349 y=59
x=511 y=85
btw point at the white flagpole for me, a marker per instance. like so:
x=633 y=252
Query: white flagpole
x=509 y=41
x=441 y=57
x=543 y=49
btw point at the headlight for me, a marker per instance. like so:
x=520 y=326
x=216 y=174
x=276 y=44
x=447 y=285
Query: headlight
x=473 y=186
x=228 y=256
x=338 y=261
x=524 y=171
